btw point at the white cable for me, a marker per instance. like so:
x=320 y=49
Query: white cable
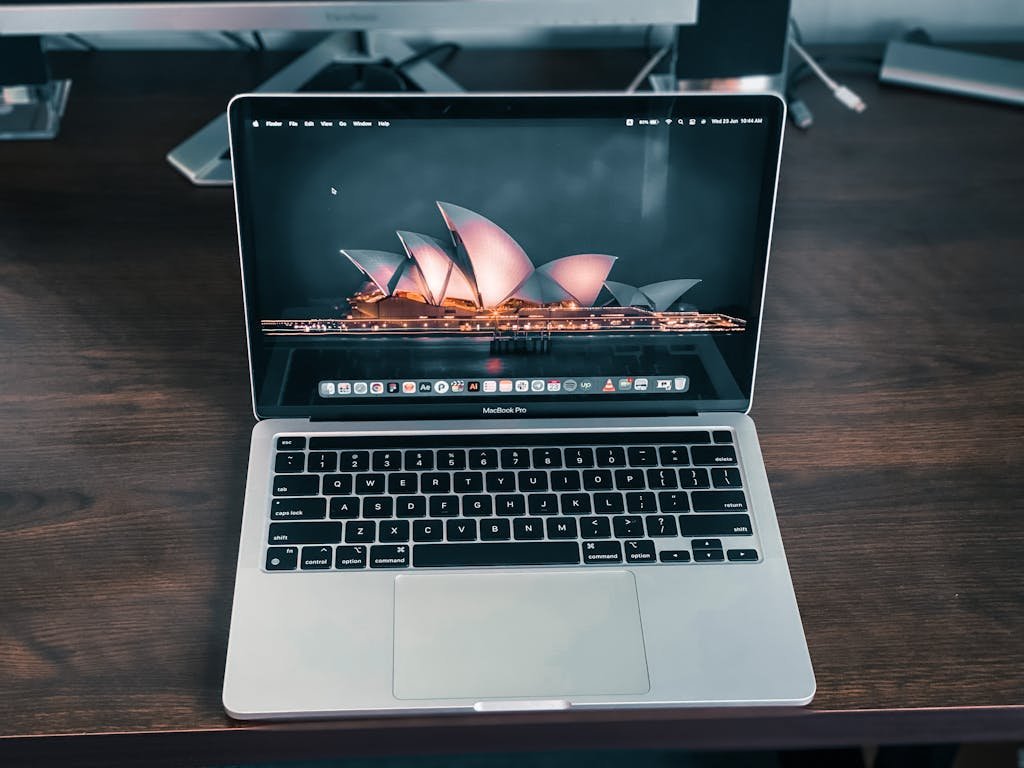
x=846 y=96
x=646 y=69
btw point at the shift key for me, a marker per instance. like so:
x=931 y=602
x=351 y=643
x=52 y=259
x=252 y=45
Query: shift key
x=305 y=533
x=715 y=525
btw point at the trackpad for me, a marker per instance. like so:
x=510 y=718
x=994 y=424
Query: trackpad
x=537 y=635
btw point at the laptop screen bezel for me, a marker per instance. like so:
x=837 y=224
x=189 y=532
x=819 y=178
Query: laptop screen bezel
x=245 y=107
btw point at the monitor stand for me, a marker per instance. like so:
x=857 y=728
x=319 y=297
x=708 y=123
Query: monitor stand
x=203 y=158
x=31 y=101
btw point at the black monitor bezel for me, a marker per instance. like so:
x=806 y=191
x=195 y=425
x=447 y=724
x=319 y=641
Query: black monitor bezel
x=246 y=107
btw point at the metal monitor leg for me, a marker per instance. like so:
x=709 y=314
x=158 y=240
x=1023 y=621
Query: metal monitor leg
x=31 y=102
x=202 y=158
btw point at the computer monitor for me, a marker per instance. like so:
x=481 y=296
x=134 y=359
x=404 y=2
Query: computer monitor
x=34 y=17
x=203 y=158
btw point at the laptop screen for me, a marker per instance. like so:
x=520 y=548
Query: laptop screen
x=414 y=256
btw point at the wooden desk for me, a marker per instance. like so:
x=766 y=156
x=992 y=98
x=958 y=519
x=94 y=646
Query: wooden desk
x=889 y=402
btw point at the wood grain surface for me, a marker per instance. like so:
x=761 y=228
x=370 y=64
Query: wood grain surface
x=888 y=402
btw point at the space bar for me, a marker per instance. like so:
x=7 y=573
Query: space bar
x=466 y=555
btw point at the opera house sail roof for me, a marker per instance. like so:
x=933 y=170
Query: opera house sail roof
x=484 y=268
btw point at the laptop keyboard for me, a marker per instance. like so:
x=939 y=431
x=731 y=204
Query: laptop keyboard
x=344 y=503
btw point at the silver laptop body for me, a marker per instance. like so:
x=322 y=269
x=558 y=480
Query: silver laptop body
x=460 y=496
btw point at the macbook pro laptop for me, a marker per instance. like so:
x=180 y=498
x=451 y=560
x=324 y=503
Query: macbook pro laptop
x=502 y=350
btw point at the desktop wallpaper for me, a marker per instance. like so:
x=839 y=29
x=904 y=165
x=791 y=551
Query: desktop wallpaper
x=474 y=248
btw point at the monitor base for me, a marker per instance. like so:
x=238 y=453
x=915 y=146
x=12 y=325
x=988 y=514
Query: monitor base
x=203 y=158
x=32 y=111
x=31 y=101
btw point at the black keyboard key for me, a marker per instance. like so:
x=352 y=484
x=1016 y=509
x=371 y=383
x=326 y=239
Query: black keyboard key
x=290 y=462
x=693 y=478
x=525 y=529
x=715 y=525
x=641 y=456
x=629 y=479
x=282 y=558
x=662 y=525
x=547 y=458
x=477 y=506
x=344 y=507
x=373 y=482
x=562 y=528
x=360 y=531
x=337 y=485
x=660 y=479
x=289 y=443
x=713 y=455
x=722 y=436
x=444 y=506
x=410 y=506
x=565 y=480
x=641 y=501
x=708 y=555
x=323 y=461
x=674 y=556
x=468 y=482
x=349 y=558
x=495 y=530
x=533 y=481
x=355 y=461
x=389 y=556
x=611 y=457
x=741 y=555
x=599 y=552
x=706 y=543
x=451 y=459
x=509 y=505
x=436 y=482
x=317 y=558
x=394 y=531
x=500 y=482
x=515 y=458
x=496 y=553
x=296 y=485
x=726 y=477
x=427 y=530
x=674 y=455
x=483 y=458
x=542 y=503
x=641 y=551
x=718 y=501
x=387 y=461
x=608 y=503
x=419 y=460
x=575 y=503
x=304 y=533
x=597 y=480
x=298 y=509
x=403 y=482
x=461 y=530
x=673 y=501
x=377 y=507
x=595 y=528
x=579 y=458
x=628 y=526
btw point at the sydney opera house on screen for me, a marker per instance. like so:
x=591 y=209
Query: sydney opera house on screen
x=481 y=280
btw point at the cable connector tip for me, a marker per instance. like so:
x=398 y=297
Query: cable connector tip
x=850 y=99
x=800 y=114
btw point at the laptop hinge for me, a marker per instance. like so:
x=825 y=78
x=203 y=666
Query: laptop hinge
x=497 y=422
